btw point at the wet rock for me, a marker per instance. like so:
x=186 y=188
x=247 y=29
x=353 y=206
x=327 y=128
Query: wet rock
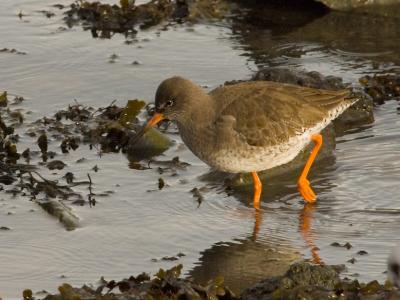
x=59 y=6
x=69 y=177
x=43 y=143
x=68 y=144
x=27 y=294
x=12 y=50
x=382 y=88
x=352 y=260
x=62 y=212
x=309 y=79
x=56 y=165
x=47 y=13
x=347 y=245
x=304 y=281
x=175 y=163
x=152 y=143
x=301 y=280
x=7 y=179
x=354 y=4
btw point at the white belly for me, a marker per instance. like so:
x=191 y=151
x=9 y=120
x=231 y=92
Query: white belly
x=252 y=158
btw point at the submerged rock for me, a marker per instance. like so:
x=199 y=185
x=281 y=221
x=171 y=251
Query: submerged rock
x=305 y=281
x=152 y=143
x=62 y=212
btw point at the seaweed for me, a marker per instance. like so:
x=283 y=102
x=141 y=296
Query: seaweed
x=165 y=285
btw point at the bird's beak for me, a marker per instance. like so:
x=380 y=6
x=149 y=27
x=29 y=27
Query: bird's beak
x=157 y=117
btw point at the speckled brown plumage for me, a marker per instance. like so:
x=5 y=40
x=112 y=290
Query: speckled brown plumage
x=248 y=126
x=269 y=113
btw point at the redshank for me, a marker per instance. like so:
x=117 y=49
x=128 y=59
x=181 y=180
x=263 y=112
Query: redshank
x=250 y=126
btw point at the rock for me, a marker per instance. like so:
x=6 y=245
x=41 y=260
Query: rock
x=352 y=4
x=43 y=143
x=62 y=212
x=316 y=282
x=382 y=88
x=7 y=179
x=300 y=279
x=56 y=164
x=151 y=144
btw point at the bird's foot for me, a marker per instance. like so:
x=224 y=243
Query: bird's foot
x=306 y=191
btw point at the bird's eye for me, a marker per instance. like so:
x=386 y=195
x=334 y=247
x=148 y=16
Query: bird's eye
x=169 y=103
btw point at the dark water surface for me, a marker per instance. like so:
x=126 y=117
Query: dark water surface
x=357 y=188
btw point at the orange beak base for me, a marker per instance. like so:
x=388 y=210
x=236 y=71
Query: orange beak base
x=157 y=117
x=153 y=121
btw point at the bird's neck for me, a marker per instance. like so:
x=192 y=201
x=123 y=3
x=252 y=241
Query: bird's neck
x=198 y=116
x=195 y=129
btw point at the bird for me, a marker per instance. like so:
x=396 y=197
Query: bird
x=250 y=126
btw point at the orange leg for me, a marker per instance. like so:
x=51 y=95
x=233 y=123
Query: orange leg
x=303 y=183
x=257 y=190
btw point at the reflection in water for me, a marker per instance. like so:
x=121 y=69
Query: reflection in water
x=348 y=41
x=305 y=228
x=260 y=255
x=246 y=261
x=257 y=223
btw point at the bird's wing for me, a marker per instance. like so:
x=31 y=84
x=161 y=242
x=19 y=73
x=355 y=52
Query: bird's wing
x=269 y=113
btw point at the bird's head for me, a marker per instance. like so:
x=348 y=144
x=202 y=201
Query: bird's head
x=175 y=99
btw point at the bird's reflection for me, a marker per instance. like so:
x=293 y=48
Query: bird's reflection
x=258 y=215
x=305 y=228
x=306 y=216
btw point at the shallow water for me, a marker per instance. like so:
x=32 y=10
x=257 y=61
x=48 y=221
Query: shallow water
x=357 y=188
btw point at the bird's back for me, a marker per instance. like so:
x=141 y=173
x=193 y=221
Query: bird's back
x=270 y=113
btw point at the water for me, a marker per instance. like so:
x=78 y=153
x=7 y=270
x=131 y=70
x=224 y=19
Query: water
x=358 y=197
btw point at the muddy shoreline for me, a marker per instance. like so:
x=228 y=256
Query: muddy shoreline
x=301 y=281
